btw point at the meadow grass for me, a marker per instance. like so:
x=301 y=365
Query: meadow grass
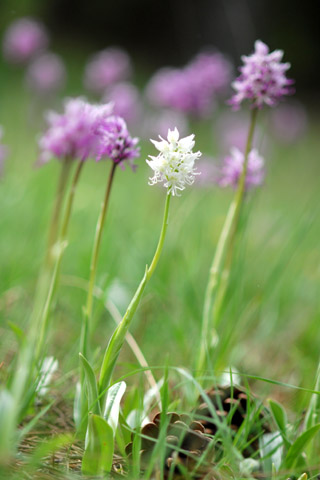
x=269 y=324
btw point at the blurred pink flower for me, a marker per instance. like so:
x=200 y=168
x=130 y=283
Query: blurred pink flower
x=212 y=70
x=73 y=134
x=233 y=166
x=105 y=68
x=46 y=74
x=166 y=89
x=24 y=39
x=191 y=89
x=126 y=101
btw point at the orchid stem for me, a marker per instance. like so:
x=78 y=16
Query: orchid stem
x=56 y=214
x=61 y=246
x=115 y=344
x=225 y=243
x=93 y=265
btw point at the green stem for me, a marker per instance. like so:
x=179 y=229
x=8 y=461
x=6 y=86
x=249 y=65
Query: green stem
x=65 y=223
x=118 y=337
x=31 y=351
x=224 y=278
x=164 y=227
x=93 y=264
x=55 y=219
x=43 y=281
x=61 y=246
x=226 y=238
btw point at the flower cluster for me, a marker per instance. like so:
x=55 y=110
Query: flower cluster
x=46 y=74
x=72 y=133
x=106 y=68
x=262 y=79
x=191 y=89
x=115 y=141
x=84 y=130
x=175 y=163
x=23 y=40
x=233 y=167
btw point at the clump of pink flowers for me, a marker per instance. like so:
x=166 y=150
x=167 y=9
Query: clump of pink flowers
x=233 y=166
x=213 y=70
x=84 y=130
x=46 y=74
x=72 y=134
x=263 y=78
x=191 y=89
x=106 y=68
x=24 y=39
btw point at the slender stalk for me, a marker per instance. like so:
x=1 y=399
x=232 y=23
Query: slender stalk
x=43 y=281
x=131 y=341
x=98 y=293
x=164 y=227
x=115 y=344
x=226 y=239
x=21 y=387
x=93 y=264
x=56 y=213
x=61 y=245
x=66 y=219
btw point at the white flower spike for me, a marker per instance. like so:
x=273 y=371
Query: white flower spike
x=175 y=163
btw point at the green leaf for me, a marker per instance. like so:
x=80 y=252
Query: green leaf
x=112 y=408
x=118 y=337
x=98 y=453
x=92 y=387
x=8 y=415
x=280 y=417
x=304 y=476
x=77 y=406
x=298 y=446
x=312 y=415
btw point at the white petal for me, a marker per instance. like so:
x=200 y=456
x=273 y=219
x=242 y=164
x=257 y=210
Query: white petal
x=187 y=143
x=173 y=135
x=161 y=146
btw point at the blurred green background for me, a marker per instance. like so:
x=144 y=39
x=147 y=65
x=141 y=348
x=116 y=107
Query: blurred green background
x=271 y=318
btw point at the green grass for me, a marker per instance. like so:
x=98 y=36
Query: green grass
x=270 y=322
